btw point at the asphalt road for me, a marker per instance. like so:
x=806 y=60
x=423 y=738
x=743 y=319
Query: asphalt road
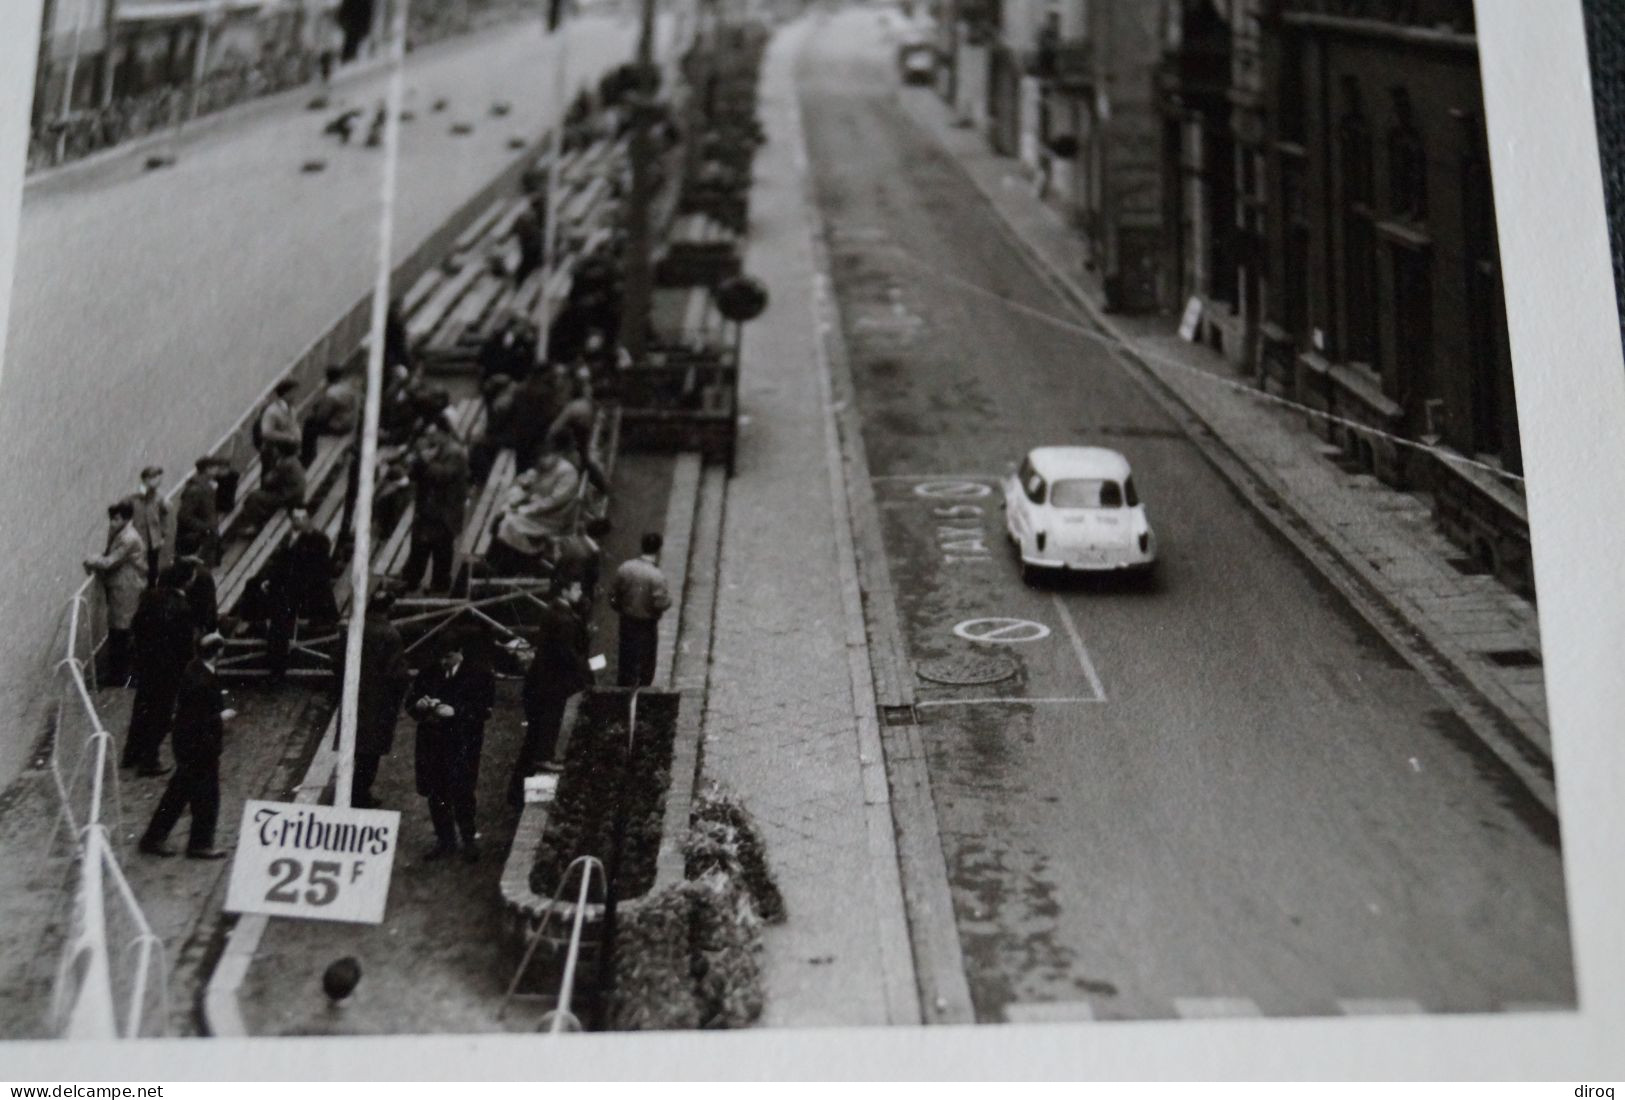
x=152 y=308
x=1223 y=795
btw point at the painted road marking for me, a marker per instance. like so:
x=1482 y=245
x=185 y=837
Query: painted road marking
x=1001 y=631
x=1013 y=699
x=1049 y=1012
x=952 y=489
x=1079 y=649
x=1379 y=1006
x=1212 y=1008
x=929 y=477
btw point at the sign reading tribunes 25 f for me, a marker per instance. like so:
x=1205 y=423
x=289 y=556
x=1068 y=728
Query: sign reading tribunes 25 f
x=314 y=862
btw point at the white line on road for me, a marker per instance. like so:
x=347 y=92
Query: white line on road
x=1049 y=1012
x=1012 y=699
x=1211 y=1008
x=1380 y=1006
x=1078 y=648
x=932 y=477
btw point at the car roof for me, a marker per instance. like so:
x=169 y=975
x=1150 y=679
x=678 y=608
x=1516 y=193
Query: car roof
x=1059 y=462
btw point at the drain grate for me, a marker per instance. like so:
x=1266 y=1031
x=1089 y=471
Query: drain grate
x=1514 y=658
x=967 y=669
x=899 y=716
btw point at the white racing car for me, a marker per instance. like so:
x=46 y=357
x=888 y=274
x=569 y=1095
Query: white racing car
x=1075 y=508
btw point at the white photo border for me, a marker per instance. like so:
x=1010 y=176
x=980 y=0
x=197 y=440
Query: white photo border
x=1570 y=380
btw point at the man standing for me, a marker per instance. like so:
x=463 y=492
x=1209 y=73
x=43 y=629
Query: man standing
x=197 y=520
x=334 y=411
x=298 y=584
x=277 y=424
x=639 y=594
x=162 y=633
x=122 y=569
x=439 y=469
x=200 y=718
x=384 y=680
x=202 y=596
x=150 y=518
x=451 y=700
x=558 y=671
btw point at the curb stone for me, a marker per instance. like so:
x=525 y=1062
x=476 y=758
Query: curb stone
x=905 y=848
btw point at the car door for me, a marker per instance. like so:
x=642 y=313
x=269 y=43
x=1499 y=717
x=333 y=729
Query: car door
x=1025 y=493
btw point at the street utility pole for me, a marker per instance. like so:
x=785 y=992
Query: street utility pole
x=637 y=288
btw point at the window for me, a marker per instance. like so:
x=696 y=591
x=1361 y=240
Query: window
x=1032 y=483
x=1407 y=163
x=1413 y=324
x=1081 y=492
x=1289 y=106
x=1295 y=250
x=1359 y=268
x=1129 y=495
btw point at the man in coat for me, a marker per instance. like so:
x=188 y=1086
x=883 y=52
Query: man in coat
x=639 y=594
x=451 y=700
x=334 y=411
x=439 y=470
x=277 y=424
x=200 y=718
x=163 y=639
x=558 y=670
x=197 y=519
x=151 y=517
x=384 y=680
x=298 y=584
x=122 y=570
x=202 y=595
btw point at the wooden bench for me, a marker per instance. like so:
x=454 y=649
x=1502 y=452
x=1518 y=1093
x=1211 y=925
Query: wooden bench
x=247 y=557
x=478 y=227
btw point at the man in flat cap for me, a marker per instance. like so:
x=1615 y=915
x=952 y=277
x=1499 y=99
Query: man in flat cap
x=200 y=717
x=151 y=517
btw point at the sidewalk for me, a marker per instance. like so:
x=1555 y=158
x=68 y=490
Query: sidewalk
x=1387 y=554
x=785 y=720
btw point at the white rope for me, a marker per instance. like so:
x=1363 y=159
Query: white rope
x=361 y=518
x=1443 y=454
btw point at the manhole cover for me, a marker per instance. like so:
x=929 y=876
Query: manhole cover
x=966 y=669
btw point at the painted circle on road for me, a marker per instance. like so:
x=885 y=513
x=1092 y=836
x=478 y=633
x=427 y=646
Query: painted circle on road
x=953 y=489
x=1001 y=631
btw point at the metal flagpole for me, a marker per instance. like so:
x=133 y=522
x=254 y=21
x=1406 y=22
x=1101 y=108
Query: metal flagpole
x=555 y=173
x=360 y=567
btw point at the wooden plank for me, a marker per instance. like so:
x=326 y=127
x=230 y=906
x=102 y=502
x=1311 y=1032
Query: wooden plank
x=428 y=318
x=477 y=228
x=421 y=289
x=477 y=535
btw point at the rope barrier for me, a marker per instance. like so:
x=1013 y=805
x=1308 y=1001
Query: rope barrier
x=1074 y=327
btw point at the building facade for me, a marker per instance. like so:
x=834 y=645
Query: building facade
x=1210 y=88
x=1384 y=301
x=1070 y=93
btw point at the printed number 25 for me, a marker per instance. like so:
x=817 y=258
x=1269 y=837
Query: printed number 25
x=324 y=882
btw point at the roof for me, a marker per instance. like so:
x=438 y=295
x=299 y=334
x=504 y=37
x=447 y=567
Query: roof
x=1059 y=462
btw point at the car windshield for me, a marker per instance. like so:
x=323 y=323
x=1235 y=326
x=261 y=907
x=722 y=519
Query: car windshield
x=1086 y=492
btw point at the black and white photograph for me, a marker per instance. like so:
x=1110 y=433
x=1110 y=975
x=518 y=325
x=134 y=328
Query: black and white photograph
x=999 y=517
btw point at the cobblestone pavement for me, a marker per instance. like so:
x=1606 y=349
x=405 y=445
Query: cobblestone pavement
x=181 y=898
x=780 y=726
x=1385 y=536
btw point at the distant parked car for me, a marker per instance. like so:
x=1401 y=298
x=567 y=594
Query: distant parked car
x=917 y=61
x=1076 y=508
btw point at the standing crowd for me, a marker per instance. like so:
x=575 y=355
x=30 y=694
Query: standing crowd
x=165 y=626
